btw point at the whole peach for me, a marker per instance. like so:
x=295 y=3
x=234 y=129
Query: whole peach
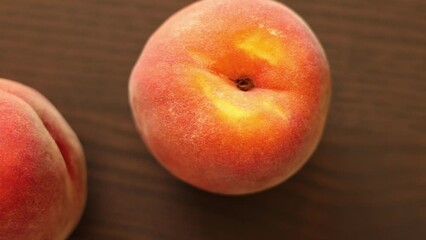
x=42 y=168
x=231 y=96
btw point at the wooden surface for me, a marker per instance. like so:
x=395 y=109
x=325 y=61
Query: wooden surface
x=367 y=180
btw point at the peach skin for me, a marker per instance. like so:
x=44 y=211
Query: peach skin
x=42 y=168
x=231 y=96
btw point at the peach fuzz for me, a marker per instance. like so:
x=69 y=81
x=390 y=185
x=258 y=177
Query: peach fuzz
x=231 y=96
x=42 y=168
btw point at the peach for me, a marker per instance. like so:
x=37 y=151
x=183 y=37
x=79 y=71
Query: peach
x=231 y=96
x=42 y=168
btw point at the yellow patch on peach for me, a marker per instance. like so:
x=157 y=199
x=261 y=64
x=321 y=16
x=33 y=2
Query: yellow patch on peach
x=206 y=81
x=264 y=44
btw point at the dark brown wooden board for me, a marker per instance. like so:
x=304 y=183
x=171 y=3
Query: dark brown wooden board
x=367 y=179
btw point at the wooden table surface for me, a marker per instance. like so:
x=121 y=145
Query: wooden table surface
x=367 y=179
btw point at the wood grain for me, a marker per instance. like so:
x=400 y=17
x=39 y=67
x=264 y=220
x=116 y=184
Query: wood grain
x=367 y=180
